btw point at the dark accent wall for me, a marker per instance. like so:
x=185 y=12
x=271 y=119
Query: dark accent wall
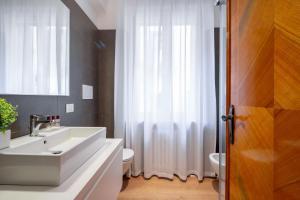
x=83 y=70
x=106 y=63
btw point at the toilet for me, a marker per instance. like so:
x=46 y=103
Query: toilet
x=127 y=160
x=214 y=159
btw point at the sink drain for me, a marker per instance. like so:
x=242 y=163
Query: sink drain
x=56 y=152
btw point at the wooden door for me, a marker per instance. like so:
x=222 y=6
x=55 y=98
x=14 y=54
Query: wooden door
x=264 y=87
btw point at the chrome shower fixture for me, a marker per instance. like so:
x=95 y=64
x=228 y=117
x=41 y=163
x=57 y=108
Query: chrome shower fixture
x=220 y=2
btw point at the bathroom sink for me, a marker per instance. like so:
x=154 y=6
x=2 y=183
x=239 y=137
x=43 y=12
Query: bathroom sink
x=51 y=159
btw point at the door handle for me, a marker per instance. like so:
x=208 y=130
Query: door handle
x=230 y=119
x=227 y=117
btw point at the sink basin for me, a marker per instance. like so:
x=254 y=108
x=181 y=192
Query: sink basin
x=51 y=159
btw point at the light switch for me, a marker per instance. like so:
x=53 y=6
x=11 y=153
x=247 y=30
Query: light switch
x=87 y=92
x=69 y=108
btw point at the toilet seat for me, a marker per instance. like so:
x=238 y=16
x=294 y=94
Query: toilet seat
x=127 y=154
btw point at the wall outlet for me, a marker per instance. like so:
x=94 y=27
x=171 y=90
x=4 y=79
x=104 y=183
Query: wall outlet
x=69 y=108
x=87 y=92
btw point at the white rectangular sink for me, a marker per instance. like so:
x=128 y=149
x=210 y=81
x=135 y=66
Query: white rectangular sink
x=51 y=159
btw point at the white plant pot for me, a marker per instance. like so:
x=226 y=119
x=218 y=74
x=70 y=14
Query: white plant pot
x=5 y=139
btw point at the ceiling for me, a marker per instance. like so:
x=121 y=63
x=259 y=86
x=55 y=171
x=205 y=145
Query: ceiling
x=103 y=13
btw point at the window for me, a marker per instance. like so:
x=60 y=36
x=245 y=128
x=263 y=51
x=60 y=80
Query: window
x=158 y=54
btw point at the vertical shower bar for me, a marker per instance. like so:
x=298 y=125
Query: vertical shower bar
x=222 y=95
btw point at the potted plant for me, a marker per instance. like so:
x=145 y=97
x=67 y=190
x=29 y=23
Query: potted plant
x=8 y=115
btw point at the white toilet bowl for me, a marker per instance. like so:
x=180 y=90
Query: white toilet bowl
x=127 y=160
x=214 y=159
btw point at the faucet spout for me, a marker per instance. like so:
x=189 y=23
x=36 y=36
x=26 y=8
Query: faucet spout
x=36 y=121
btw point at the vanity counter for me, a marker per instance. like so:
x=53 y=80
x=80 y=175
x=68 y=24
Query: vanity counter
x=98 y=178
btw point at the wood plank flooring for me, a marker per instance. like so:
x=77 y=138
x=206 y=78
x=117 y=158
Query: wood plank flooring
x=138 y=188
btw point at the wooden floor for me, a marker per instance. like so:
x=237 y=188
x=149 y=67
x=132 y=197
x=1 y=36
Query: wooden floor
x=162 y=189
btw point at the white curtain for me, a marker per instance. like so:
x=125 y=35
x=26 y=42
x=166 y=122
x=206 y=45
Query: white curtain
x=165 y=102
x=34 y=47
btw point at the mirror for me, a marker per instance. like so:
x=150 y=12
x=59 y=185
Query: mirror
x=34 y=47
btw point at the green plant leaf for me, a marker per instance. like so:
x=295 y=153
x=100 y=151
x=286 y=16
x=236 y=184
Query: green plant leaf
x=8 y=115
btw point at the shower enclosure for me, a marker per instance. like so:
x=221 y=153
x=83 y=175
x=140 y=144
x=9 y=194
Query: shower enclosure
x=221 y=9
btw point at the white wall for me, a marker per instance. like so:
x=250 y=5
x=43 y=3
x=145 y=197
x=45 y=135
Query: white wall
x=103 y=13
x=108 y=18
x=217 y=16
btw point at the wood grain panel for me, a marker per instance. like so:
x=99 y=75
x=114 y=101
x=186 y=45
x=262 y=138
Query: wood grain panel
x=228 y=91
x=265 y=89
x=287 y=16
x=287 y=98
x=287 y=54
x=252 y=86
x=288 y=193
x=253 y=46
x=258 y=80
x=232 y=55
x=252 y=154
x=287 y=152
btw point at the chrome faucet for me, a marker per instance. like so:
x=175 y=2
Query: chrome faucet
x=36 y=121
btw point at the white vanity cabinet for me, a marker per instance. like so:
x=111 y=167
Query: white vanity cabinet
x=107 y=182
x=99 y=178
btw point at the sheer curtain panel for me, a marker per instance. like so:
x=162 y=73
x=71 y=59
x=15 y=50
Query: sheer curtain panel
x=165 y=102
x=34 y=47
